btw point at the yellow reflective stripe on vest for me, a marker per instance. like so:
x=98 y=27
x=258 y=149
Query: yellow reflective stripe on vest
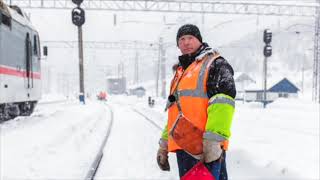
x=221 y=100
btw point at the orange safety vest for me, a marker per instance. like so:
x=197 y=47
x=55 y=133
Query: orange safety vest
x=190 y=85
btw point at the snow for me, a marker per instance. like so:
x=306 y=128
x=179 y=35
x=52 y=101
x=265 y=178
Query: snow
x=131 y=150
x=61 y=138
x=60 y=141
x=47 y=98
x=282 y=139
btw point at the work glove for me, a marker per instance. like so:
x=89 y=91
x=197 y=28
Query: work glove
x=211 y=150
x=162 y=155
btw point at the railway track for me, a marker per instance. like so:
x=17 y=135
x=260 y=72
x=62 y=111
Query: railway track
x=95 y=165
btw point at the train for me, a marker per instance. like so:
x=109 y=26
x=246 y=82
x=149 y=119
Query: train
x=20 y=63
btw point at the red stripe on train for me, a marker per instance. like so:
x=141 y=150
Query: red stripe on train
x=21 y=73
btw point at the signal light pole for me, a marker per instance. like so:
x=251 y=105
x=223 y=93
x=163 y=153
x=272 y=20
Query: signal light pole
x=81 y=70
x=267 y=52
x=78 y=19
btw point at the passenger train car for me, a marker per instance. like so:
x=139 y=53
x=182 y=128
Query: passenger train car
x=20 y=75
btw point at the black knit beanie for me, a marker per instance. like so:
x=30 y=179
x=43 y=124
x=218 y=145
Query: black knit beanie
x=189 y=29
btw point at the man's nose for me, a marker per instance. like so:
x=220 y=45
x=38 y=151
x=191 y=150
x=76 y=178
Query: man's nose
x=186 y=42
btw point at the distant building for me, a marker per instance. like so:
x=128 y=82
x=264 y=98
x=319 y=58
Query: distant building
x=242 y=80
x=138 y=91
x=116 y=85
x=284 y=89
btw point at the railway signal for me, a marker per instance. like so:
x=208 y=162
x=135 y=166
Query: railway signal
x=267 y=36
x=267 y=51
x=78 y=16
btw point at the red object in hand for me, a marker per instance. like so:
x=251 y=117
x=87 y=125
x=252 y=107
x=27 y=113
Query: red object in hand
x=198 y=172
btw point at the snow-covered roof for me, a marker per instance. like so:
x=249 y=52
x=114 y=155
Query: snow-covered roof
x=284 y=86
x=22 y=19
x=239 y=75
x=258 y=86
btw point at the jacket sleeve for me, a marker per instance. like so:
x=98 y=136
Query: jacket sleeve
x=221 y=92
x=164 y=134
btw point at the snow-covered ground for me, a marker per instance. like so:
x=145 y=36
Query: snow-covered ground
x=60 y=141
x=282 y=140
x=131 y=150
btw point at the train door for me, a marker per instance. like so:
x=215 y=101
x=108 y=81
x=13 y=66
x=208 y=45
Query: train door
x=28 y=59
x=36 y=67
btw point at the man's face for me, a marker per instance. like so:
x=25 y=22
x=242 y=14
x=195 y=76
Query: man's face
x=188 y=44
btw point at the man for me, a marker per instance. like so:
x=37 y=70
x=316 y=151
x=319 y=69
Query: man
x=200 y=107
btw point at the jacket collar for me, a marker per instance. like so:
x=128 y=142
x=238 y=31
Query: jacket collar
x=206 y=51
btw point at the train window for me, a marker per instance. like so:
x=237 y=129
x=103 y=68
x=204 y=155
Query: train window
x=38 y=45
x=5 y=19
x=35 y=45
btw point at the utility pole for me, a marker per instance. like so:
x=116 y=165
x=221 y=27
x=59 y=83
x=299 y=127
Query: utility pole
x=119 y=69
x=163 y=72
x=158 y=65
x=202 y=22
x=302 y=75
x=136 y=68
x=122 y=69
x=49 y=80
x=302 y=59
x=316 y=63
x=78 y=19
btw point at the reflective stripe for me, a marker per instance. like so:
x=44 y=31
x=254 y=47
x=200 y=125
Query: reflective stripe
x=199 y=91
x=202 y=73
x=193 y=93
x=204 y=69
x=212 y=136
x=178 y=102
x=221 y=100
